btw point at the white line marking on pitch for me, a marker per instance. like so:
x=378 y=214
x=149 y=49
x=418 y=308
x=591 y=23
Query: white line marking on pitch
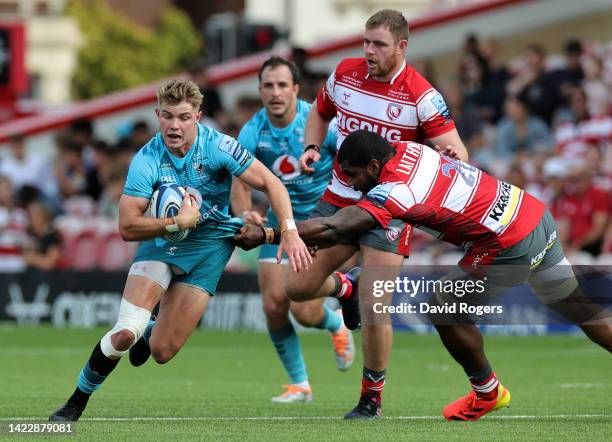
x=300 y=418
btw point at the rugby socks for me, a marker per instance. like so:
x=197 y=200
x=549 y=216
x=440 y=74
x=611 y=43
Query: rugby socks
x=147 y=333
x=344 y=286
x=289 y=351
x=372 y=384
x=331 y=322
x=484 y=383
x=96 y=369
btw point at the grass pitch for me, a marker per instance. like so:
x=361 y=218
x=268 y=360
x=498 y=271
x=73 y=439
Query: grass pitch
x=219 y=387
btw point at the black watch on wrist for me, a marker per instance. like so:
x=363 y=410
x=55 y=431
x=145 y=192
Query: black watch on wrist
x=312 y=146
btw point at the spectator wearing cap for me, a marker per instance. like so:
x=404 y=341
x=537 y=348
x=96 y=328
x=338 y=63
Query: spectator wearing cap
x=554 y=173
x=519 y=131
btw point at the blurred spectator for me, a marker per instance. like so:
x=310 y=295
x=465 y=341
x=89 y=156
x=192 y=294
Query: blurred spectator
x=81 y=133
x=473 y=73
x=537 y=85
x=598 y=94
x=310 y=81
x=571 y=75
x=554 y=173
x=519 y=131
x=28 y=169
x=425 y=67
x=109 y=201
x=44 y=250
x=246 y=106
x=581 y=132
x=212 y=106
x=141 y=134
x=13 y=227
x=585 y=209
x=466 y=116
x=498 y=78
x=70 y=170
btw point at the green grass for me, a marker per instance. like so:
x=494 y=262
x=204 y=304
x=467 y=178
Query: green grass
x=221 y=376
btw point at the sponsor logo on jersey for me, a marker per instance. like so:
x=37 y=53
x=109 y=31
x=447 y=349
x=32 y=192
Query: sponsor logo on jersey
x=166 y=179
x=286 y=167
x=441 y=106
x=502 y=202
x=393 y=234
x=351 y=124
x=229 y=145
x=536 y=260
x=394 y=110
x=379 y=195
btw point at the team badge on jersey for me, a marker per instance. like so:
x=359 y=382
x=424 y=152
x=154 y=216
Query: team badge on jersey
x=286 y=167
x=393 y=233
x=394 y=110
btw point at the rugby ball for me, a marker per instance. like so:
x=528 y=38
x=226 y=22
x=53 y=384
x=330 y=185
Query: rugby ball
x=165 y=203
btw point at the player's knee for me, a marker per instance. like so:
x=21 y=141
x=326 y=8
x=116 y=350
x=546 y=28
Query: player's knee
x=163 y=353
x=276 y=309
x=307 y=317
x=130 y=327
x=122 y=340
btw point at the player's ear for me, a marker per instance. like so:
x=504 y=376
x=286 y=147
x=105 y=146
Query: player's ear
x=373 y=167
x=403 y=45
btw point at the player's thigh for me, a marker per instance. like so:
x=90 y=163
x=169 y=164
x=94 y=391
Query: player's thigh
x=326 y=261
x=271 y=279
x=146 y=283
x=180 y=310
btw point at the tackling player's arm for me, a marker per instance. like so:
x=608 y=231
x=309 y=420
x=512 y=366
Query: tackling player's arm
x=320 y=232
x=259 y=177
x=450 y=144
x=135 y=226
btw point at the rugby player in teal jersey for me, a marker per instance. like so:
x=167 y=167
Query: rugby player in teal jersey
x=275 y=136
x=181 y=275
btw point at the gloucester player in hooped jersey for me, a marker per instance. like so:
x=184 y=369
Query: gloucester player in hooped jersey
x=405 y=108
x=382 y=94
x=492 y=219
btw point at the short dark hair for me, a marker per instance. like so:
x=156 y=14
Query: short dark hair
x=276 y=61
x=362 y=146
x=391 y=19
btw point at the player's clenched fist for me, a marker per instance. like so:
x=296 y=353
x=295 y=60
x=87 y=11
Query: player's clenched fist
x=249 y=237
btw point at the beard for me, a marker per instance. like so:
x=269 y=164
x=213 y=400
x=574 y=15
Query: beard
x=382 y=69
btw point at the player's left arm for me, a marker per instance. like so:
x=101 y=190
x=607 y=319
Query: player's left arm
x=450 y=144
x=320 y=232
x=259 y=177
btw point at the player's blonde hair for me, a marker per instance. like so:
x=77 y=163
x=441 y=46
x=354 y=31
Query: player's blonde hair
x=391 y=19
x=177 y=90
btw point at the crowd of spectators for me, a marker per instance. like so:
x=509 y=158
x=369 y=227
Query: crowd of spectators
x=542 y=122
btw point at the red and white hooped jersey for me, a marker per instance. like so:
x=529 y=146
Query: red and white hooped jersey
x=453 y=200
x=405 y=108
